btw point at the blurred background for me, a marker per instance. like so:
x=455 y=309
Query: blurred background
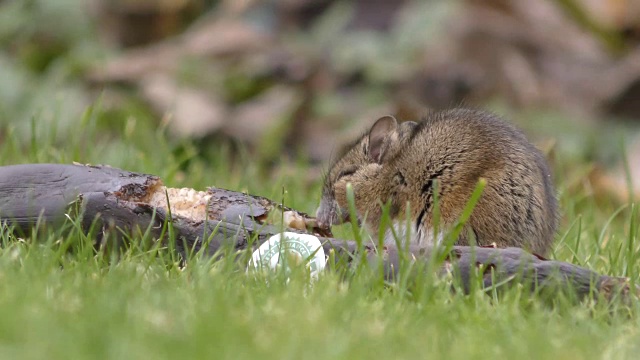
x=293 y=80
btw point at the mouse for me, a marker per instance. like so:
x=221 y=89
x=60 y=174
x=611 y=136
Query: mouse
x=404 y=168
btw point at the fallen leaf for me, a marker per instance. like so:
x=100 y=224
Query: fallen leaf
x=194 y=112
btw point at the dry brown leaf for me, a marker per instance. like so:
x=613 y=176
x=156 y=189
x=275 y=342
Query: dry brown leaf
x=193 y=112
x=618 y=14
x=220 y=37
x=212 y=37
x=533 y=54
x=615 y=181
x=249 y=121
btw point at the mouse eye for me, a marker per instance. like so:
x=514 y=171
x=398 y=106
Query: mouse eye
x=346 y=172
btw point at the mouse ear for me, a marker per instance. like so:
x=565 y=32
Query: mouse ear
x=383 y=128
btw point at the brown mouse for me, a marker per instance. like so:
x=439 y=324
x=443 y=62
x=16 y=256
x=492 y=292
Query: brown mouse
x=402 y=165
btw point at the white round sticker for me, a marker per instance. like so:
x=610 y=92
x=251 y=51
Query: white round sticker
x=287 y=248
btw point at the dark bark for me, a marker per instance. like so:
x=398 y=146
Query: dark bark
x=109 y=198
x=31 y=192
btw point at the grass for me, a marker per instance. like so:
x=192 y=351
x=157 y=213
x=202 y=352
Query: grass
x=60 y=304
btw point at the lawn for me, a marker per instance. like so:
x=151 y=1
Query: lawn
x=60 y=300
